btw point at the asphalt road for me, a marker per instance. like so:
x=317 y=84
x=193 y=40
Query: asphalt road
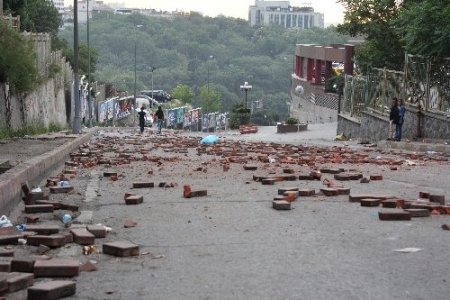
x=233 y=245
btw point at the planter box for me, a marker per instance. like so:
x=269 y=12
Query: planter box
x=286 y=128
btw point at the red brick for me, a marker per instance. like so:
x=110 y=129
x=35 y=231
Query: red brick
x=315 y=174
x=56 y=205
x=418 y=212
x=31 y=219
x=6 y=252
x=51 y=290
x=3 y=284
x=287 y=177
x=10 y=239
x=18 y=281
x=22 y=264
x=141 y=185
x=393 y=203
x=394 y=215
x=424 y=195
x=370 y=202
x=47 y=240
x=281 y=205
x=33 y=196
x=56 y=268
x=288 y=171
x=279 y=197
x=82 y=237
x=121 y=249
x=281 y=191
x=71 y=207
x=268 y=181
x=250 y=167
x=129 y=223
x=133 y=200
x=305 y=177
x=199 y=193
x=375 y=177
x=60 y=189
x=5 y=264
x=437 y=198
x=38 y=208
x=358 y=197
x=97 y=230
x=68 y=237
x=306 y=192
x=43 y=229
x=330 y=191
x=343 y=191
x=109 y=174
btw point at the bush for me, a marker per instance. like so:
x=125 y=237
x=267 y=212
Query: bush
x=292 y=121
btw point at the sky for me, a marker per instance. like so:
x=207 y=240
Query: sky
x=233 y=8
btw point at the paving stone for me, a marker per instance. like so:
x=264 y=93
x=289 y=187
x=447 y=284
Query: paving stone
x=306 y=192
x=82 y=237
x=3 y=284
x=71 y=207
x=281 y=191
x=38 y=208
x=281 y=205
x=141 y=185
x=6 y=252
x=134 y=199
x=97 y=230
x=437 y=198
x=22 y=264
x=394 y=215
x=418 y=212
x=47 y=240
x=51 y=290
x=43 y=229
x=68 y=237
x=56 y=205
x=56 y=268
x=10 y=239
x=121 y=249
x=5 y=264
x=18 y=281
x=358 y=197
x=370 y=202
x=61 y=189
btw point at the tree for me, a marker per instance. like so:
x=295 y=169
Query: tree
x=424 y=27
x=210 y=99
x=83 y=57
x=372 y=20
x=183 y=93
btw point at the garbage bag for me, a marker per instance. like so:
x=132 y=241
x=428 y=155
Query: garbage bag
x=210 y=140
x=5 y=222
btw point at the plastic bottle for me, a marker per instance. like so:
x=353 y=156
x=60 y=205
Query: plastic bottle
x=66 y=218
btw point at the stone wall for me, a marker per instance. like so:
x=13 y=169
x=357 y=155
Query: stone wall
x=348 y=126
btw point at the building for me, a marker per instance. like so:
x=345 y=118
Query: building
x=282 y=13
x=59 y=5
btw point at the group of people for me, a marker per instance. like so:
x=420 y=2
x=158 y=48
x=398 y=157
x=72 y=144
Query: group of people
x=158 y=115
x=396 y=119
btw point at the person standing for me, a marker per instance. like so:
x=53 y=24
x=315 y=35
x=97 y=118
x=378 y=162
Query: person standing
x=142 y=119
x=401 y=118
x=160 y=116
x=393 y=119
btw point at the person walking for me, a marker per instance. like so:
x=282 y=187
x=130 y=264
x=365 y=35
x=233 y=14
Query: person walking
x=401 y=119
x=160 y=115
x=142 y=119
x=393 y=119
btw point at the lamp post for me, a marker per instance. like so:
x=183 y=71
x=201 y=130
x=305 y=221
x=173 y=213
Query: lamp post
x=151 y=70
x=76 y=89
x=246 y=88
x=89 y=67
x=135 y=55
x=209 y=58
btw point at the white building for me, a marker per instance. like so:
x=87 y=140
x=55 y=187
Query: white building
x=283 y=14
x=59 y=5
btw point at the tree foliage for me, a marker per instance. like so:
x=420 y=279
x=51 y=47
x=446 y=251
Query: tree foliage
x=210 y=99
x=17 y=60
x=183 y=92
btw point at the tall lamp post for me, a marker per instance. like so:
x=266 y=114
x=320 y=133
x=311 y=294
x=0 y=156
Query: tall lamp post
x=151 y=70
x=246 y=88
x=76 y=89
x=209 y=58
x=135 y=55
x=89 y=67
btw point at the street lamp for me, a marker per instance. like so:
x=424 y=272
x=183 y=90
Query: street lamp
x=76 y=89
x=135 y=52
x=89 y=67
x=246 y=88
x=207 y=65
x=151 y=70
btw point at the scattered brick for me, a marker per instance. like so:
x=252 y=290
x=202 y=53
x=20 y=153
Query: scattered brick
x=418 y=212
x=31 y=219
x=71 y=207
x=51 y=290
x=22 y=264
x=200 y=193
x=68 y=237
x=82 y=237
x=141 y=185
x=376 y=177
x=6 y=252
x=109 y=174
x=129 y=224
x=290 y=196
x=47 y=240
x=394 y=215
x=121 y=249
x=446 y=226
x=43 y=229
x=268 y=181
x=134 y=200
x=279 y=197
x=5 y=264
x=10 y=239
x=424 y=195
x=306 y=192
x=288 y=171
x=226 y=168
x=38 y=208
x=3 y=284
x=365 y=180
x=281 y=191
x=330 y=191
x=97 y=230
x=88 y=267
x=358 y=197
x=316 y=174
x=56 y=205
x=281 y=205
x=289 y=177
x=343 y=191
x=250 y=167
x=370 y=202
x=393 y=203
x=61 y=189
x=18 y=281
x=305 y=177
x=437 y=198
x=56 y=268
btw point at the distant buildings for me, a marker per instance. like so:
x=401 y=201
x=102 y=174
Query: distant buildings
x=59 y=5
x=283 y=14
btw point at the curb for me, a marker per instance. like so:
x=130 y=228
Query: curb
x=31 y=170
x=417 y=147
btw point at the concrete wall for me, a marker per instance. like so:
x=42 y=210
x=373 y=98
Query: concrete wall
x=47 y=103
x=374 y=126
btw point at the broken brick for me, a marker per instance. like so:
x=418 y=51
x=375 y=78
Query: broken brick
x=418 y=212
x=376 y=177
x=250 y=167
x=281 y=205
x=51 y=290
x=61 y=189
x=394 y=215
x=18 y=281
x=38 y=208
x=43 y=229
x=97 y=230
x=141 y=185
x=22 y=264
x=47 y=240
x=121 y=249
x=306 y=192
x=5 y=264
x=316 y=175
x=330 y=191
x=437 y=198
x=268 y=181
x=370 y=202
x=281 y=191
x=82 y=237
x=56 y=268
x=134 y=199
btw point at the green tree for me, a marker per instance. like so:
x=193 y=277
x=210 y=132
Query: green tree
x=17 y=60
x=183 y=93
x=83 y=57
x=210 y=99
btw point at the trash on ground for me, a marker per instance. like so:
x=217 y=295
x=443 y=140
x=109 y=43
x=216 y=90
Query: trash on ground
x=210 y=140
x=408 y=250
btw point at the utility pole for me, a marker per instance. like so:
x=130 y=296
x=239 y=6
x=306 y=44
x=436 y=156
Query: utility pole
x=76 y=88
x=89 y=68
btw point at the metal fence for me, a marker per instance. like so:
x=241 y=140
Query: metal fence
x=424 y=82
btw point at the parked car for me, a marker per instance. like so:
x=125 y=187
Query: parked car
x=159 y=95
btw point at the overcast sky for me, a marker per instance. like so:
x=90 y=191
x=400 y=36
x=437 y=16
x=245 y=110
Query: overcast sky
x=233 y=8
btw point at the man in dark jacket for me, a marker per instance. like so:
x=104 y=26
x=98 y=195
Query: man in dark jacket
x=394 y=117
x=160 y=115
x=142 y=119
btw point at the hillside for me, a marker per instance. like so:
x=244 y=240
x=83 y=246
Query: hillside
x=186 y=49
